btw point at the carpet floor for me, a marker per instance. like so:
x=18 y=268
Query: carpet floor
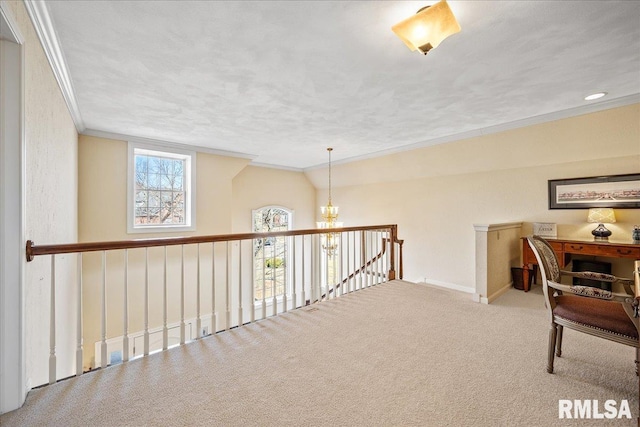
x=398 y=354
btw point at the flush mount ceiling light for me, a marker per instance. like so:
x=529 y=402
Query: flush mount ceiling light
x=595 y=96
x=428 y=27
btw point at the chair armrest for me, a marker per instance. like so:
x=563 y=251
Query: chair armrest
x=590 y=292
x=592 y=275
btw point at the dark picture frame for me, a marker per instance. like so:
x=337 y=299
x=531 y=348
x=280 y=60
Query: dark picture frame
x=615 y=191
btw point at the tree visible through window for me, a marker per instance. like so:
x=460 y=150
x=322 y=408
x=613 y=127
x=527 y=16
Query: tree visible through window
x=161 y=189
x=270 y=254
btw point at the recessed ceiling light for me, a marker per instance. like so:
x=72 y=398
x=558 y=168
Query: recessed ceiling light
x=595 y=96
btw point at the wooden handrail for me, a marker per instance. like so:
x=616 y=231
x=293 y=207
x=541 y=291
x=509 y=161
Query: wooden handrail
x=33 y=250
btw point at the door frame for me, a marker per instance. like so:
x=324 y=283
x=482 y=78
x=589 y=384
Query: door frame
x=13 y=387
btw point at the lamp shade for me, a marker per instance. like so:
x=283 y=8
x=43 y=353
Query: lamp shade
x=601 y=216
x=427 y=28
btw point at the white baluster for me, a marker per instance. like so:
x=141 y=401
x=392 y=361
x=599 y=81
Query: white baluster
x=369 y=259
x=198 y=319
x=294 y=298
x=363 y=260
x=253 y=282
x=303 y=287
x=376 y=277
x=103 y=301
x=285 y=266
x=320 y=254
x=214 y=314
x=264 y=273
x=79 y=345
x=182 y=324
x=228 y=289
x=327 y=259
x=240 y=284
x=146 y=302
x=125 y=309
x=340 y=276
x=52 y=324
x=165 y=302
x=274 y=300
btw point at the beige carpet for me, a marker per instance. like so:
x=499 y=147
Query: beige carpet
x=398 y=354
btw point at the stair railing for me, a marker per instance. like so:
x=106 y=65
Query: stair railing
x=131 y=298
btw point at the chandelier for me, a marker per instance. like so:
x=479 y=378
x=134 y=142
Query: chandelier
x=330 y=241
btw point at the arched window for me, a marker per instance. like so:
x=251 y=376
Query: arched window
x=270 y=256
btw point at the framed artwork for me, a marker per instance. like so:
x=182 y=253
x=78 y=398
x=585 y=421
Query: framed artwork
x=616 y=191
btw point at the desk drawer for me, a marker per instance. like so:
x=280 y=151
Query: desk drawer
x=581 y=248
x=619 y=252
x=529 y=258
x=602 y=250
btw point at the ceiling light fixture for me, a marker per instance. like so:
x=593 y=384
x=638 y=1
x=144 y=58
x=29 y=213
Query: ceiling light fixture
x=428 y=27
x=595 y=96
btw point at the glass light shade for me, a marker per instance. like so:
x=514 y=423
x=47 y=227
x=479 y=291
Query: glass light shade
x=329 y=210
x=427 y=28
x=601 y=216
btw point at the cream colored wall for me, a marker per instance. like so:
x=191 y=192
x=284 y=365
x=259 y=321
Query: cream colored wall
x=436 y=194
x=51 y=206
x=102 y=206
x=103 y=191
x=256 y=187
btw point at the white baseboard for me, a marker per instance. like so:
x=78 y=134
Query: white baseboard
x=495 y=295
x=448 y=285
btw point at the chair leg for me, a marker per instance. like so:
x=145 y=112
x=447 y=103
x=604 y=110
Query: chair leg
x=559 y=341
x=553 y=332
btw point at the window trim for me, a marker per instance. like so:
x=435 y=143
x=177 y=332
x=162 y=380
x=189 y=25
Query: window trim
x=190 y=187
x=288 y=272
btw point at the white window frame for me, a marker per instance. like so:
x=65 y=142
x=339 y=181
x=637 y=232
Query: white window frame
x=190 y=187
x=289 y=258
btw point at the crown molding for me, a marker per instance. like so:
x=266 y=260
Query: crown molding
x=41 y=20
x=530 y=121
x=10 y=30
x=166 y=144
x=275 y=166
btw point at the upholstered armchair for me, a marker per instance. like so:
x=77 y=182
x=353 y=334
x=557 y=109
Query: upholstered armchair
x=605 y=314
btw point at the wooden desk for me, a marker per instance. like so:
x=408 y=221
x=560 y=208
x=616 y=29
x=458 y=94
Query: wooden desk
x=564 y=248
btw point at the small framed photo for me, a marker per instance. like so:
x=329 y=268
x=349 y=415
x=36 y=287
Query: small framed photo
x=545 y=229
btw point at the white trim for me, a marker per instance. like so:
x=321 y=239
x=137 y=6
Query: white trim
x=495 y=295
x=165 y=144
x=39 y=15
x=13 y=382
x=190 y=203
x=10 y=25
x=289 y=260
x=447 y=285
x=497 y=227
x=516 y=124
x=271 y=166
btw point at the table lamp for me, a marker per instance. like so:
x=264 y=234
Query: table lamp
x=601 y=216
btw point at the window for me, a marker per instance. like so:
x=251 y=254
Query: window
x=161 y=189
x=270 y=256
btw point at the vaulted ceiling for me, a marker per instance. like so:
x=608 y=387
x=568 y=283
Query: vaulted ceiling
x=279 y=81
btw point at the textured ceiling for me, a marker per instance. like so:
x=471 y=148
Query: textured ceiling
x=281 y=81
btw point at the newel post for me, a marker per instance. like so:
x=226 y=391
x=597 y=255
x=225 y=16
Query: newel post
x=392 y=252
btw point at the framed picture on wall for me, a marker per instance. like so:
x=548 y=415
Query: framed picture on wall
x=616 y=191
